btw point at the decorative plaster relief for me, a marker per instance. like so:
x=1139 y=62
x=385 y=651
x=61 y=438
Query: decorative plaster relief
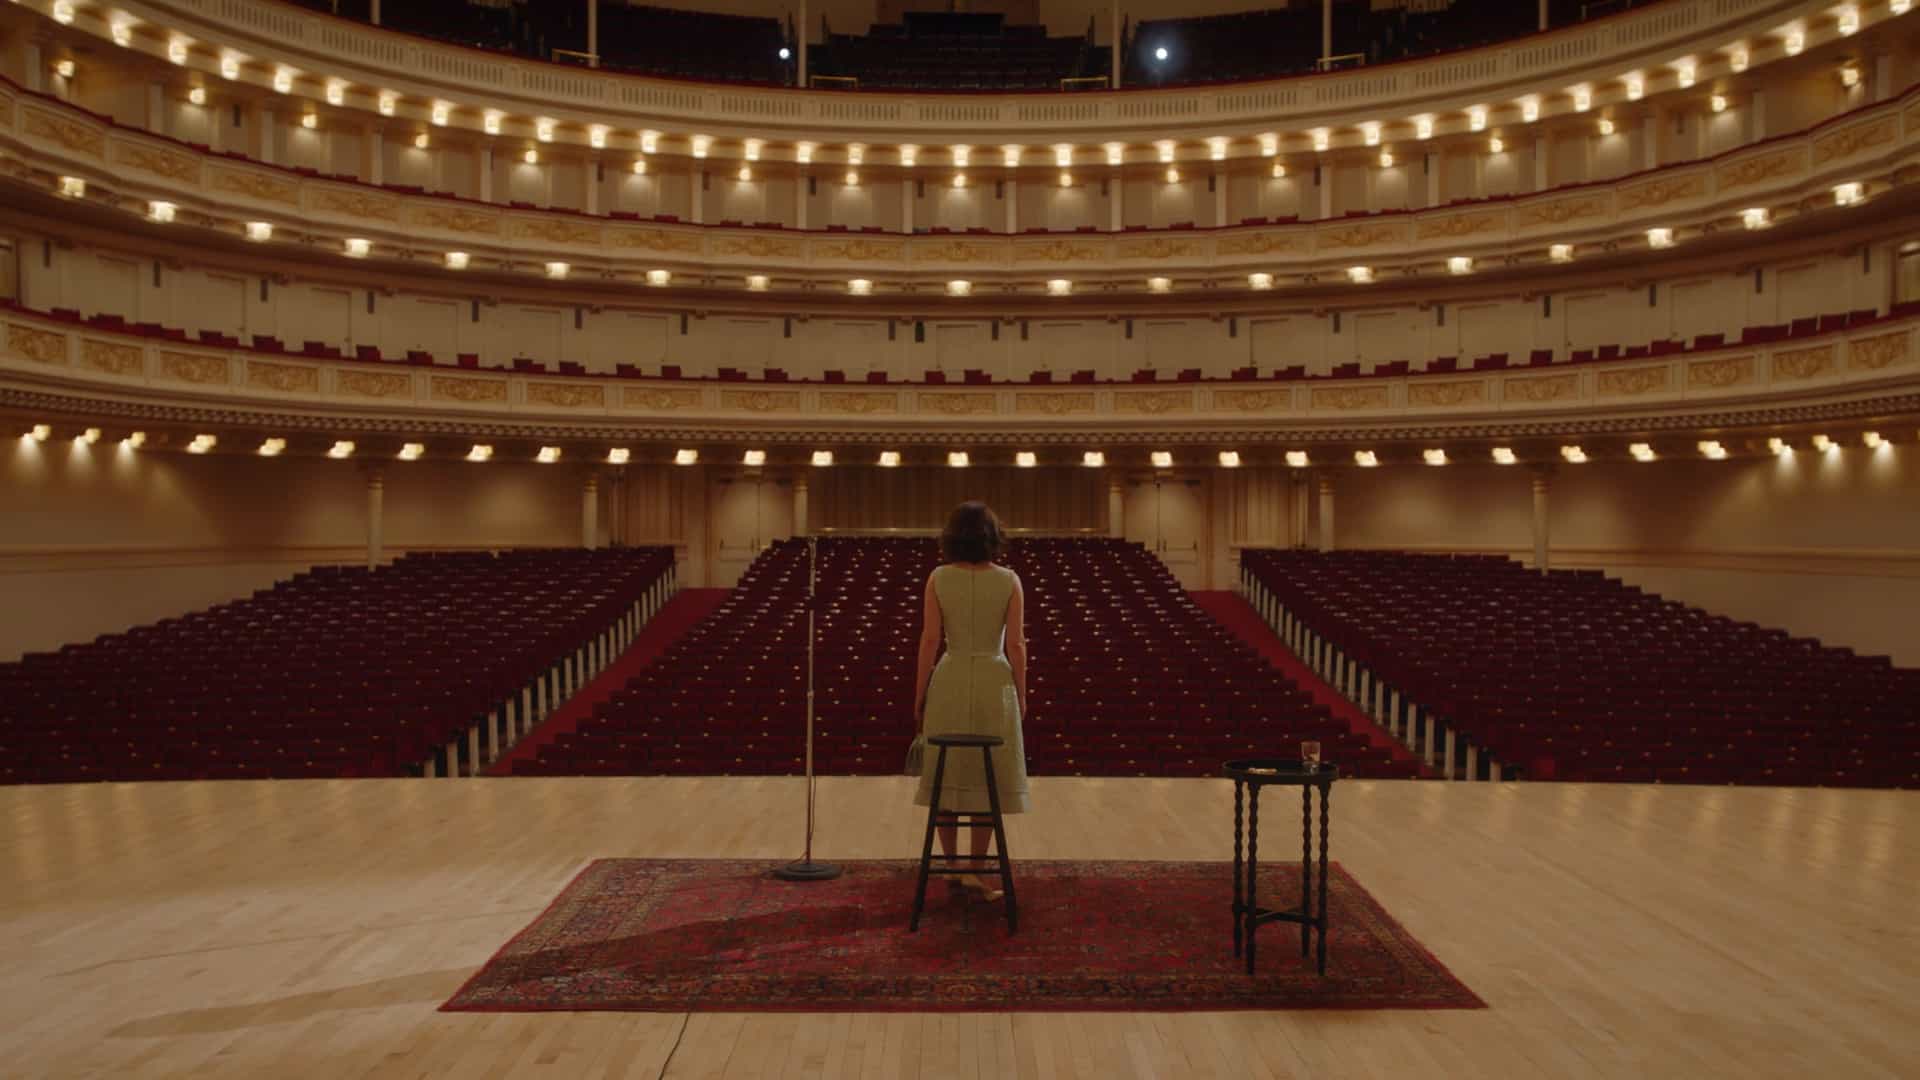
x=446 y=388
x=956 y=404
x=286 y=378
x=195 y=368
x=567 y=395
x=1719 y=374
x=40 y=346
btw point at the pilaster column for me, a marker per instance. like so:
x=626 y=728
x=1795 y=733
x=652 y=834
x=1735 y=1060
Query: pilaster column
x=1220 y=198
x=1326 y=28
x=1541 y=151
x=1116 y=508
x=1116 y=201
x=593 y=179
x=1012 y=200
x=1882 y=76
x=376 y=515
x=157 y=110
x=1756 y=115
x=264 y=133
x=697 y=214
x=1650 y=140
x=800 y=198
x=485 y=187
x=800 y=505
x=590 y=512
x=593 y=35
x=1433 y=170
x=906 y=205
x=1542 y=481
x=1324 y=172
x=1326 y=511
x=377 y=154
x=35 y=67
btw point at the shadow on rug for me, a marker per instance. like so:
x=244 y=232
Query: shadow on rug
x=716 y=935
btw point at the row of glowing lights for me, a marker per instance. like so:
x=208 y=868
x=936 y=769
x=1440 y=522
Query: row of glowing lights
x=1685 y=71
x=1851 y=193
x=960 y=459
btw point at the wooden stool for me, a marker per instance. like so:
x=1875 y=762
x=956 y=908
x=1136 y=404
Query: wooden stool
x=937 y=818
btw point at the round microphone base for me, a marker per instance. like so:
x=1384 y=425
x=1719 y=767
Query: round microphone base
x=807 y=871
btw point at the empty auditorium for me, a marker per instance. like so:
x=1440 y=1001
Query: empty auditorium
x=960 y=539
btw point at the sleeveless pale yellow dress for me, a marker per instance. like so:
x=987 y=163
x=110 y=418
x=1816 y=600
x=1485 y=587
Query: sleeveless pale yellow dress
x=971 y=692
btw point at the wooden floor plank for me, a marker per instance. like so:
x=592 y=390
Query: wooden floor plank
x=313 y=927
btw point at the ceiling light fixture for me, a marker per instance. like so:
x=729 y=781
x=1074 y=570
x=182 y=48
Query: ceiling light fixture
x=1229 y=459
x=1093 y=459
x=822 y=459
x=753 y=459
x=341 y=449
x=686 y=457
x=1504 y=455
x=547 y=455
x=619 y=455
x=1026 y=459
x=957 y=459
x=412 y=451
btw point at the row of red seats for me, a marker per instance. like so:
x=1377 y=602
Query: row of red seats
x=1127 y=675
x=339 y=671
x=1574 y=675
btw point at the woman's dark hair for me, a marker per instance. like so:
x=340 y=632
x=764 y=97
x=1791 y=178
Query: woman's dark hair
x=972 y=535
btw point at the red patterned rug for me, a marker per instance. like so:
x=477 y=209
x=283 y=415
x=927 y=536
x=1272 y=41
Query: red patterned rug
x=699 y=935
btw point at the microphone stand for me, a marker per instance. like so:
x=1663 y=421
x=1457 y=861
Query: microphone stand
x=806 y=869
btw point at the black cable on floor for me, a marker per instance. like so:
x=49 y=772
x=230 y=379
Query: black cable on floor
x=676 y=1045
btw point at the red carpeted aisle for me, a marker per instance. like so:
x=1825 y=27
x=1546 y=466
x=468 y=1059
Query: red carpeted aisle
x=1239 y=616
x=687 y=607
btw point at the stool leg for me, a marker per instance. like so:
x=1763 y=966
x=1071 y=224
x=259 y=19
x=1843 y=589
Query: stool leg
x=1000 y=842
x=1325 y=791
x=1253 y=870
x=1306 y=868
x=1239 y=928
x=926 y=846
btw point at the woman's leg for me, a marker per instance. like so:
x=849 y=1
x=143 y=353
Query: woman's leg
x=949 y=842
x=979 y=841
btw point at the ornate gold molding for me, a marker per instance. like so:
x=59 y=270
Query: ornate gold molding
x=861 y=402
x=71 y=134
x=1359 y=236
x=1853 y=138
x=1753 y=170
x=286 y=378
x=567 y=395
x=354 y=204
x=1066 y=403
x=456 y=219
x=262 y=186
x=655 y=240
x=1350 y=398
x=1632 y=382
x=40 y=346
x=1803 y=363
x=958 y=251
x=196 y=368
x=1252 y=401
x=1152 y=402
x=1262 y=243
x=660 y=399
x=760 y=247
x=761 y=401
x=1542 y=388
x=1447 y=394
x=1058 y=251
x=182 y=167
x=1560 y=211
x=1456 y=226
x=1720 y=373
x=1663 y=190
x=1159 y=247
x=472 y=391
x=112 y=357
x=556 y=231
x=373 y=384
x=1874 y=353
x=956 y=404
x=859 y=249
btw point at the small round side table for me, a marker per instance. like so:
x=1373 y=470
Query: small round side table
x=1249 y=776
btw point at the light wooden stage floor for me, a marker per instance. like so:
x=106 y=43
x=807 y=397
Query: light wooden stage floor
x=311 y=928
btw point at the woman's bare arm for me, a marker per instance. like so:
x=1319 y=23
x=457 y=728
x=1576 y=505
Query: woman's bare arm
x=1017 y=641
x=929 y=650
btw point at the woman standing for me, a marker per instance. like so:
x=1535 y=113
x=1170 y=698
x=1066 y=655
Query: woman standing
x=979 y=687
